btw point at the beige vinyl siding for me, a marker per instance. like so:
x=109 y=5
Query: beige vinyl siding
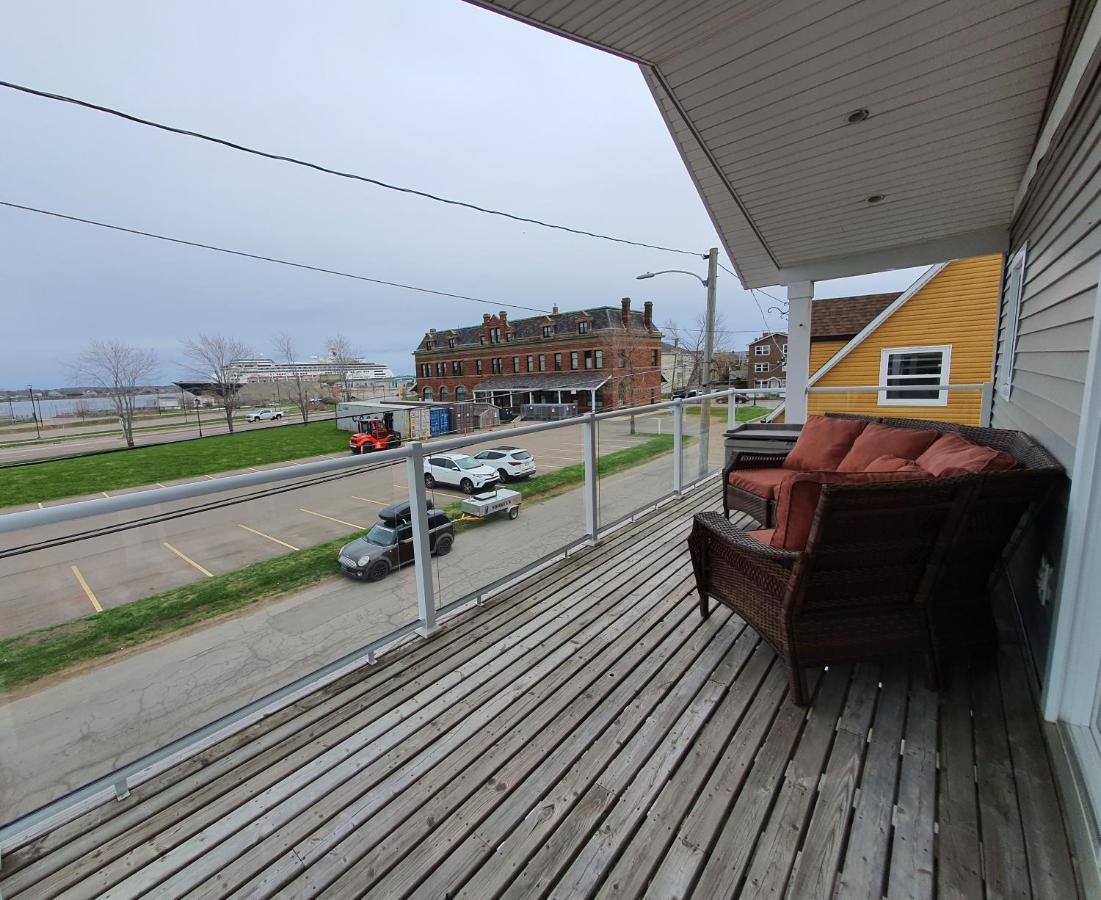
x=1058 y=225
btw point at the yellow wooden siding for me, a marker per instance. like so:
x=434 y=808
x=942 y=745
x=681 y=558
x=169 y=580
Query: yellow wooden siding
x=958 y=307
x=821 y=352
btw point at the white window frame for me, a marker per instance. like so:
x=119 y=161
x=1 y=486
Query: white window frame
x=762 y=350
x=762 y=383
x=945 y=351
x=761 y=367
x=1007 y=349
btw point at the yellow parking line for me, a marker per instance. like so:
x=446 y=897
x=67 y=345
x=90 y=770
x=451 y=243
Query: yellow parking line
x=187 y=559
x=369 y=500
x=209 y=477
x=40 y=506
x=268 y=536
x=87 y=590
x=331 y=519
x=159 y=484
x=252 y=468
x=105 y=494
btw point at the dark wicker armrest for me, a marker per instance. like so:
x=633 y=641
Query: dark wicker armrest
x=734 y=540
x=748 y=459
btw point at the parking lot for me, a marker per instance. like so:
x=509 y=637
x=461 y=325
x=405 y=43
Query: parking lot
x=73 y=579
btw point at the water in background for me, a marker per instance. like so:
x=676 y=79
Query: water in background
x=49 y=408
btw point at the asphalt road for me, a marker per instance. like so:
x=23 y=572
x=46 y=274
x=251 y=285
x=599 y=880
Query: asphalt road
x=60 y=735
x=72 y=580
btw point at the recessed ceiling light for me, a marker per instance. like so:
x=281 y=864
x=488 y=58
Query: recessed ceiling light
x=875 y=198
x=857 y=115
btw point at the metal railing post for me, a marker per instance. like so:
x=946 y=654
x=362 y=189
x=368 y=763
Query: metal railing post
x=592 y=480
x=678 y=445
x=986 y=406
x=422 y=560
x=731 y=411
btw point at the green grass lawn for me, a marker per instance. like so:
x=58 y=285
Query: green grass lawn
x=29 y=657
x=742 y=414
x=166 y=462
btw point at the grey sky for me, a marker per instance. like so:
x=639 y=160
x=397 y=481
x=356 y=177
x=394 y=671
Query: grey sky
x=437 y=95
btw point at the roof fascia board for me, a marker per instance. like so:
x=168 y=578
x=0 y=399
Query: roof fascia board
x=957 y=246
x=868 y=329
x=1064 y=101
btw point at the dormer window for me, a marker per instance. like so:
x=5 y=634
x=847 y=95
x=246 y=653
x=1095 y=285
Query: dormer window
x=582 y=327
x=546 y=331
x=508 y=336
x=429 y=345
x=451 y=343
x=495 y=335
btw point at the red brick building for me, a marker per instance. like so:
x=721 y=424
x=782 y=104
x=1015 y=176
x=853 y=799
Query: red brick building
x=768 y=359
x=602 y=358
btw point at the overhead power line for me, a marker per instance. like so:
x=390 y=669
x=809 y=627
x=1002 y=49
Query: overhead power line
x=262 y=258
x=198 y=135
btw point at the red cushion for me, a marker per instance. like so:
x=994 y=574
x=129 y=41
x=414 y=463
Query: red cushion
x=797 y=501
x=951 y=454
x=894 y=464
x=759 y=482
x=763 y=535
x=823 y=443
x=885 y=440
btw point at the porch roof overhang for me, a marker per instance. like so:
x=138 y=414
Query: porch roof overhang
x=548 y=382
x=758 y=98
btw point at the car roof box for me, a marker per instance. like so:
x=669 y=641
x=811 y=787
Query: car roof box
x=399 y=512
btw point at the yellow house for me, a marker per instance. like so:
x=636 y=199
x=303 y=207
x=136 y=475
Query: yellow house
x=941 y=330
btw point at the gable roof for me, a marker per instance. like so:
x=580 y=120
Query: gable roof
x=603 y=318
x=841 y=318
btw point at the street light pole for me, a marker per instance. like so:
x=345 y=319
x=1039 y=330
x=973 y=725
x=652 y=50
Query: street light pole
x=34 y=412
x=708 y=358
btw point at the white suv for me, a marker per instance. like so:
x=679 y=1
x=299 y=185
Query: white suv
x=264 y=415
x=510 y=462
x=458 y=470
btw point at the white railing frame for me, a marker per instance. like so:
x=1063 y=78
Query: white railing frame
x=119 y=782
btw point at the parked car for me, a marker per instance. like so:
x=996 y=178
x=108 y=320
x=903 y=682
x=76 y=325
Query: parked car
x=458 y=470
x=264 y=415
x=511 y=463
x=389 y=544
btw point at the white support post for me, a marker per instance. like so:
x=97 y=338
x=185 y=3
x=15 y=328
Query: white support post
x=731 y=411
x=422 y=560
x=592 y=509
x=800 y=297
x=678 y=445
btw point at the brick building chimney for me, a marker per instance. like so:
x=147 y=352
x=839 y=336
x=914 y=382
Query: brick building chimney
x=648 y=314
x=625 y=308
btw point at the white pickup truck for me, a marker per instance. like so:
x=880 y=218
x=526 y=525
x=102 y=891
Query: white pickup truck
x=264 y=415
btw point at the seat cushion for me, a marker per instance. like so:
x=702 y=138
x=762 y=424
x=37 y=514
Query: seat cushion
x=894 y=464
x=759 y=482
x=762 y=535
x=951 y=455
x=885 y=440
x=823 y=443
x=797 y=501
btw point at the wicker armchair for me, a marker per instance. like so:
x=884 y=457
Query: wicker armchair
x=859 y=590
x=736 y=499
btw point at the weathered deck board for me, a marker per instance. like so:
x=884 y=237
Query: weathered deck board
x=587 y=733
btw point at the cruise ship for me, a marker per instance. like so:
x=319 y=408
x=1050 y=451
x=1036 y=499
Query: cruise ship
x=260 y=370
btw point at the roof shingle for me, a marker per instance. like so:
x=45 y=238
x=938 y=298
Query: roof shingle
x=845 y=317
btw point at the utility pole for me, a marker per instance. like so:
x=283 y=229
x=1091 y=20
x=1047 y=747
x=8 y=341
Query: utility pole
x=708 y=353
x=34 y=412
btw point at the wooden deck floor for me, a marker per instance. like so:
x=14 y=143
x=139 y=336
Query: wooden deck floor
x=588 y=734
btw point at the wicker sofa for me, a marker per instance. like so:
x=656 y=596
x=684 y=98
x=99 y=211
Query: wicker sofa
x=886 y=566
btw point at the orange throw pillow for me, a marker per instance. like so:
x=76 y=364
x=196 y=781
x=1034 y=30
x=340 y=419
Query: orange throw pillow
x=797 y=501
x=951 y=455
x=885 y=440
x=823 y=443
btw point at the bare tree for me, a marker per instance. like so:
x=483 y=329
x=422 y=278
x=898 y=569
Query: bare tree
x=344 y=359
x=83 y=409
x=214 y=356
x=691 y=341
x=120 y=370
x=285 y=349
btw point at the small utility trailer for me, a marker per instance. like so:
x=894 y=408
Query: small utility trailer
x=489 y=503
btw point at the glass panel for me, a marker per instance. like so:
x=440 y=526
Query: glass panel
x=523 y=506
x=635 y=463
x=123 y=632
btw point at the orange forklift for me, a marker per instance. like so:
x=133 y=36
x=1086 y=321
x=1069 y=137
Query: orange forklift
x=374 y=433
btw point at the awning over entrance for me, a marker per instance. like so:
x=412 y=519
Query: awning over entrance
x=554 y=381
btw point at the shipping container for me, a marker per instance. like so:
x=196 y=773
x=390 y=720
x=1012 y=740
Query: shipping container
x=440 y=420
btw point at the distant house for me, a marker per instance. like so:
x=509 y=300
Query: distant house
x=940 y=330
x=767 y=360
